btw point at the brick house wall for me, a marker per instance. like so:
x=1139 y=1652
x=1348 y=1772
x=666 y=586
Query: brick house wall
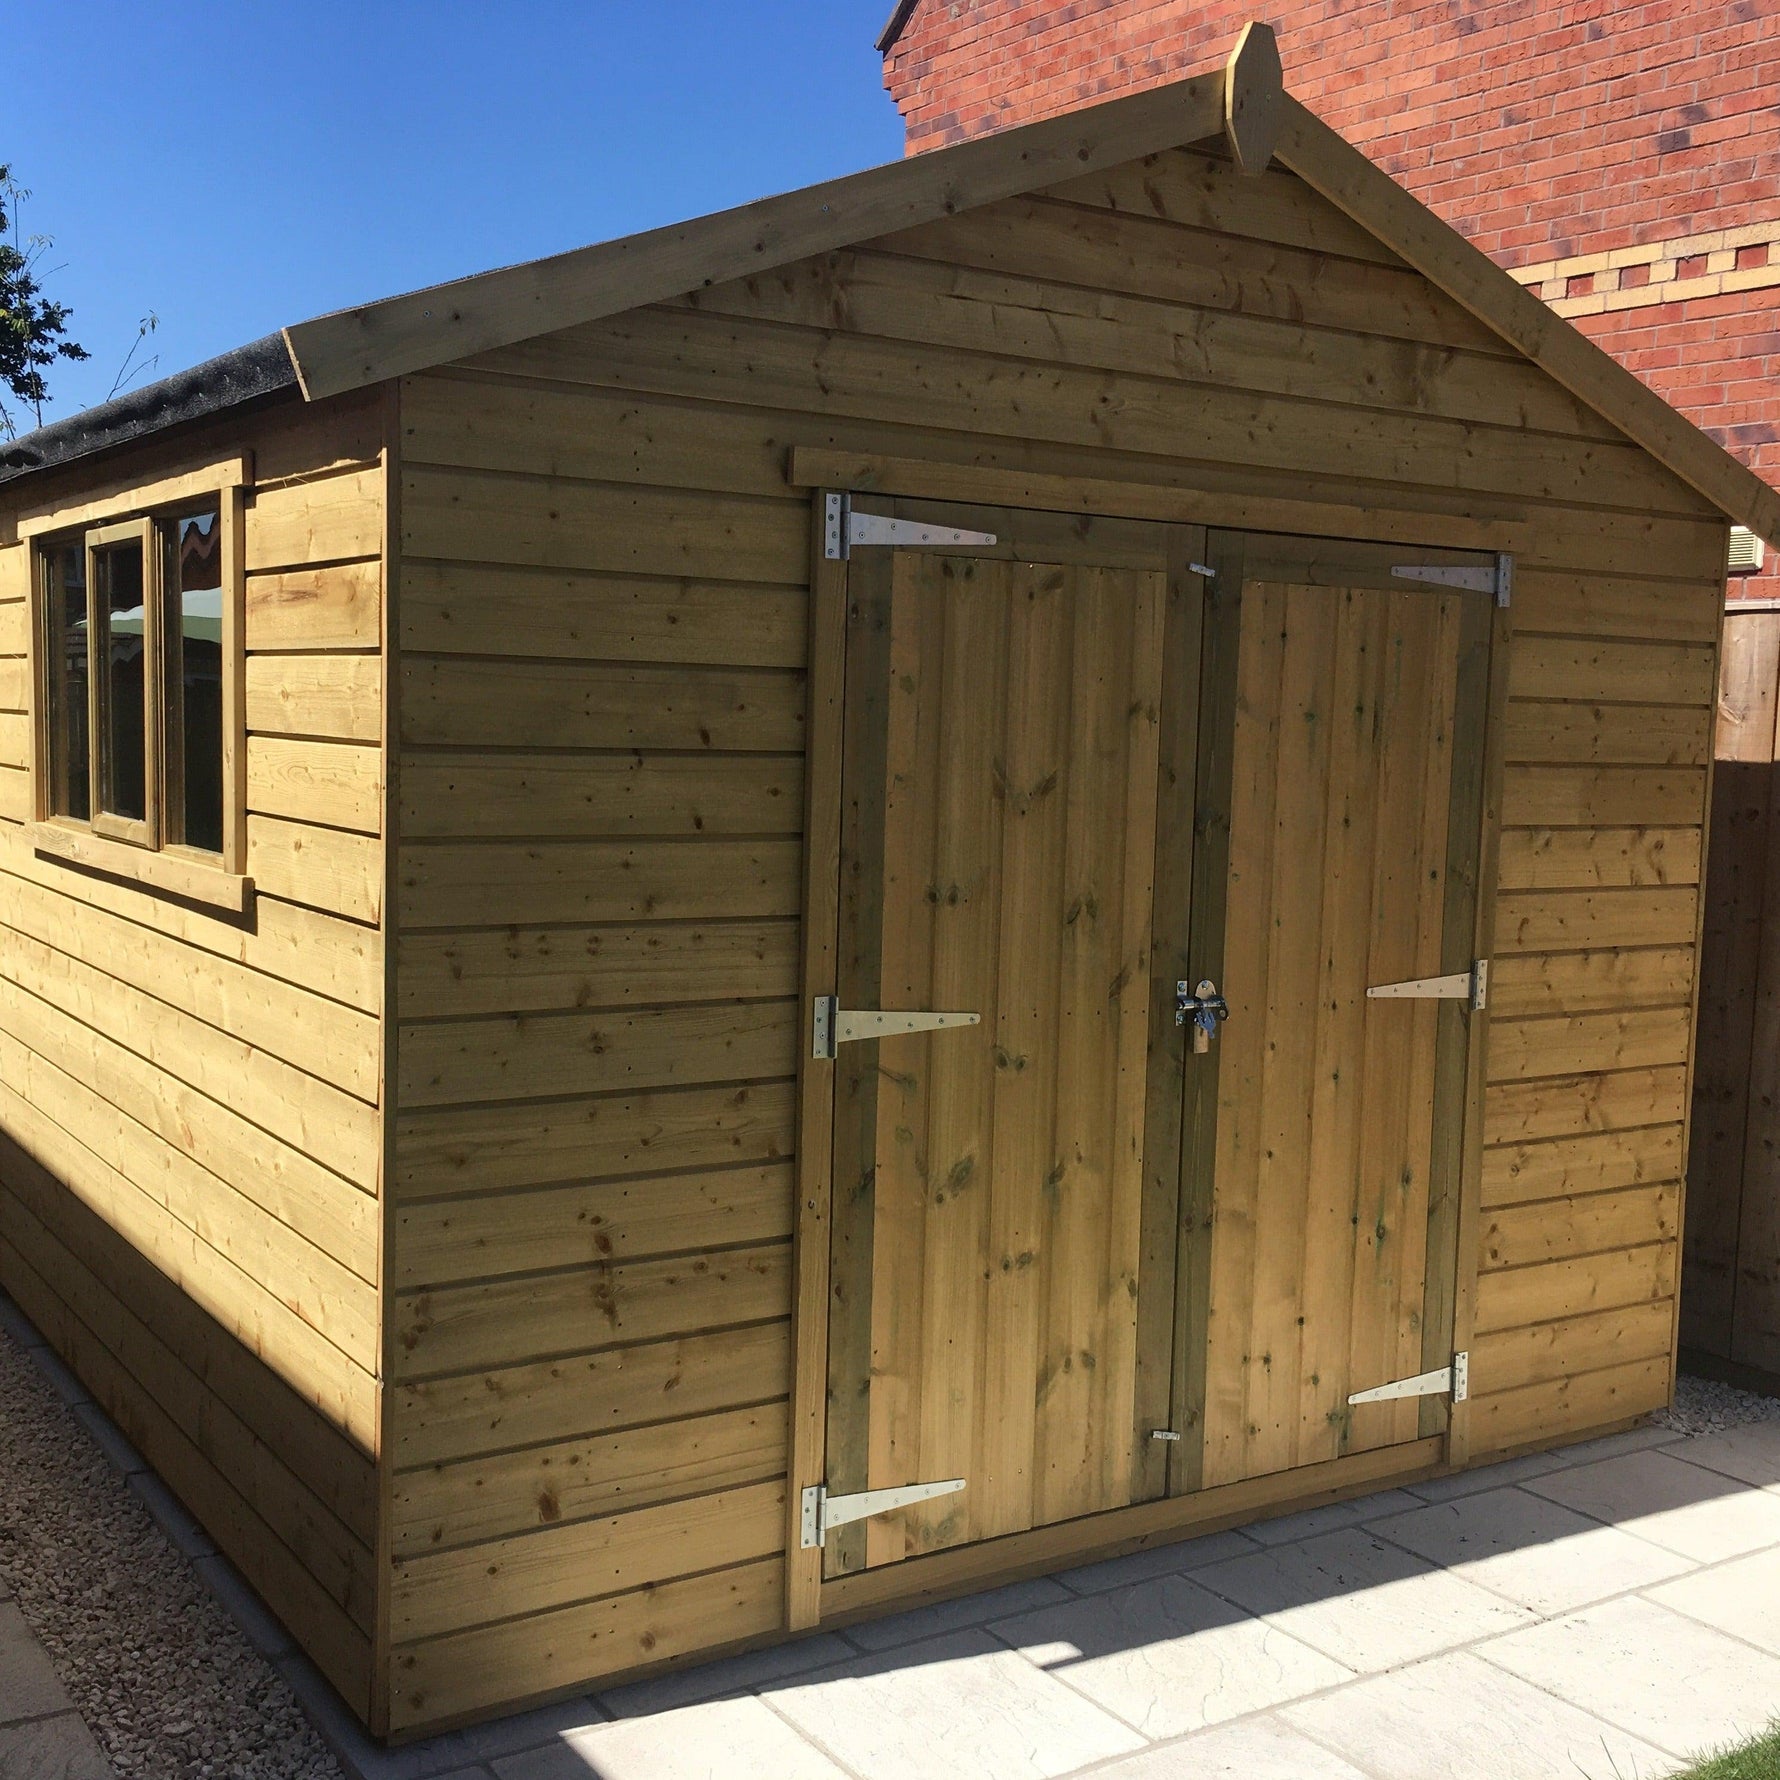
x=1624 y=160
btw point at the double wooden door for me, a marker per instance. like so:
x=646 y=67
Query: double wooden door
x=1074 y=1263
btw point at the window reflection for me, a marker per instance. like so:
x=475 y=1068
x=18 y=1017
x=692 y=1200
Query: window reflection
x=192 y=641
x=123 y=634
x=65 y=606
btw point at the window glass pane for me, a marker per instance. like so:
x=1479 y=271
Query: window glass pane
x=192 y=633
x=65 y=607
x=124 y=744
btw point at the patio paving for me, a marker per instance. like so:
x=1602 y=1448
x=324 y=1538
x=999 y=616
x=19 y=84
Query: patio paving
x=1606 y=1612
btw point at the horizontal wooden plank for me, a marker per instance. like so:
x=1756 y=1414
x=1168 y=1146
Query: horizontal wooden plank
x=507 y=1322
x=476 y=1671
x=541 y=969
x=1582 y=982
x=1607 y=670
x=327 y=1040
x=930 y=303
x=325 y=868
x=492 y=1234
x=320 y=1373
x=597 y=796
x=15 y=739
x=443 y=1506
x=1559 y=1229
x=329 y=519
x=518 y=884
x=1615 y=545
x=1546 y=1352
x=473 y=516
x=1576 y=1044
x=1557 y=1289
x=1569 y=1406
x=329 y=1549
x=15 y=573
x=549 y=704
x=484 y=609
x=340 y=959
x=534 y=1056
x=336 y=696
x=15 y=794
x=527 y=1143
x=15 y=625
x=1524 y=1112
x=338 y=784
x=338 y=606
x=577 y=1560
x=1600 y=858
x=1584 y=603
x=1586 y=920
x=338 y=1639
x=314 y=1115
x=340 y=1218
x=1628 y=735
x=1602 y=796
x=314 y=1448
x=14 y=683
x=205 y=1216
x=1594 y=1163
x=827 y=371
x=509 y=1408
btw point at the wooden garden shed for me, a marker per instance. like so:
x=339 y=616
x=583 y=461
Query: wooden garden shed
x=500 y=787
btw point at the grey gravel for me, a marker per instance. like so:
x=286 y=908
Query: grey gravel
x=1704 y=1406
x=164 y=1678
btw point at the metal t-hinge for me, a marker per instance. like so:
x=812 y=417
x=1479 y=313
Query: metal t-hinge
x=1471 y=986
x=1496 y=577
x=822 y=1513
x=1455 y=1378
x=833 y=1025
x=843 y=530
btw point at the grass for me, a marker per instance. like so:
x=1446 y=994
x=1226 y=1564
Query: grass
x=1759 y=1760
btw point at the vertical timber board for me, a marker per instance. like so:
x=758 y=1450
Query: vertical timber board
x=852 y=1202
x=1732 y=944
x=1453 y=1105
x=1171 y=961
x=815 y=1079
x=1221 y=623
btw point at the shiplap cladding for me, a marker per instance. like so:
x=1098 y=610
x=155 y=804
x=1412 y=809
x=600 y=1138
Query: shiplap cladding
x=190 y=1165
x=601 y=637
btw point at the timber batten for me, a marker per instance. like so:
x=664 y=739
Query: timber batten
x=554 y=839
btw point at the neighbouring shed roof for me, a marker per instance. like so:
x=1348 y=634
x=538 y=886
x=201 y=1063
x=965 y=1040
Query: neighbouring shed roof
x=1244 y=102
x=259 y=369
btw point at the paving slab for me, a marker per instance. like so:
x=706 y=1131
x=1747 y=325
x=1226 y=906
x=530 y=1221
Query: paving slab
x=733 y=1739
x=1702 y=1514
x=1741 y=1597
x=28 y=1684
x=955 y=1615
x=729 y=1674
x=1256 y=1749
x=1611 y=1446
x=60 y=1748
x=1366 y=1603
x=1455 y=1717
x=1750 y=1453
x=1156 y=1560
x=1486 y=1477
x=1655 y=1673
x=532 y=1729
x=1537 y=1552
x=1169 y=1657
x=1289 y=1528
x=961 y=1707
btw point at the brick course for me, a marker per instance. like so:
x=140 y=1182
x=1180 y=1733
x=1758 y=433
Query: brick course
x=1546 y=132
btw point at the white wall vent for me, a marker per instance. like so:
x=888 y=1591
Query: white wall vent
x=1746 y=551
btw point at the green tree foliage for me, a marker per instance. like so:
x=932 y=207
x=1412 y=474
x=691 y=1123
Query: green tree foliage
x=33 y=330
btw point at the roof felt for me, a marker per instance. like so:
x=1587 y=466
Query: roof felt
x=259 y=369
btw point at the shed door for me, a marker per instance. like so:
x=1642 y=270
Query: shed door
x=998 y=843
x=1340 y=803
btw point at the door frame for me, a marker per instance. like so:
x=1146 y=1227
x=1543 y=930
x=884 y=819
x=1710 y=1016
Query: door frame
x=809 y=1600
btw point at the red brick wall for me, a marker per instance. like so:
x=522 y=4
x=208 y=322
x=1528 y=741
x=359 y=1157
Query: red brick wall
x=1541 y=130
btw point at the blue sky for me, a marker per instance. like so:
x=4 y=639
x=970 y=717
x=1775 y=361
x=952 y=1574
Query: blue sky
x=234 y=167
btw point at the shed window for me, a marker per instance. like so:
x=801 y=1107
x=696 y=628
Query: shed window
x=132 y=679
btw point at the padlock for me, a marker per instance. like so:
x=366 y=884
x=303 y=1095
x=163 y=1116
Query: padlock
x=1201 y=1040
